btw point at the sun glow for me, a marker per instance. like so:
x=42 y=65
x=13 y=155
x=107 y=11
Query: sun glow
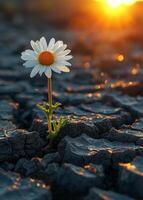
x=114 y=3
x=119 y=3
x=117 y=8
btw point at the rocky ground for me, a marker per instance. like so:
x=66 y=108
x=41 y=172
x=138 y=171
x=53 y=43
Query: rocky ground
x=98 y=154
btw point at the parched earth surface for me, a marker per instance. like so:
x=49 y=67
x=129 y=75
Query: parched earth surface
x=98 y=155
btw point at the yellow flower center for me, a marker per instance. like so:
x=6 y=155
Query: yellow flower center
x=46 y=58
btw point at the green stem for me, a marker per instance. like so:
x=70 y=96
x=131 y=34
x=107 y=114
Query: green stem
x=50 y=105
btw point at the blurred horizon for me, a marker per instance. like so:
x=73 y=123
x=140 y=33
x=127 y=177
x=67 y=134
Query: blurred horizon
x=68 y=8
x=97 y=31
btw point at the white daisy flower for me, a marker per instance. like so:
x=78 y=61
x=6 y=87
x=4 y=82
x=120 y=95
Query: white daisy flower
x=45 y=58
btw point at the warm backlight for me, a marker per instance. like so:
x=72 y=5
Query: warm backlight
x=118 y=3
x=114 y=3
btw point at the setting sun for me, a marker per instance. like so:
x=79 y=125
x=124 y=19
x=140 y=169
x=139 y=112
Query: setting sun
x=118 y=3
x=114 y=3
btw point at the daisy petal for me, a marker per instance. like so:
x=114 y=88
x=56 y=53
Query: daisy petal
x=60 y=63
x=44 y=43
x=32 y=44
x=51 y=44
x=64 y=47
x=34 y=71
x=63 y=58
x=55 y=69
x=64 y=53
x=58 y=50
x=63 y=69
x=30 y=63
x=27 y=57
x=31 y=54
x=28 y=52
x=57 y=45
x=42 y=70
x=38 y=46
x=68 y=57
x=35 y=46
x=48 y=72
